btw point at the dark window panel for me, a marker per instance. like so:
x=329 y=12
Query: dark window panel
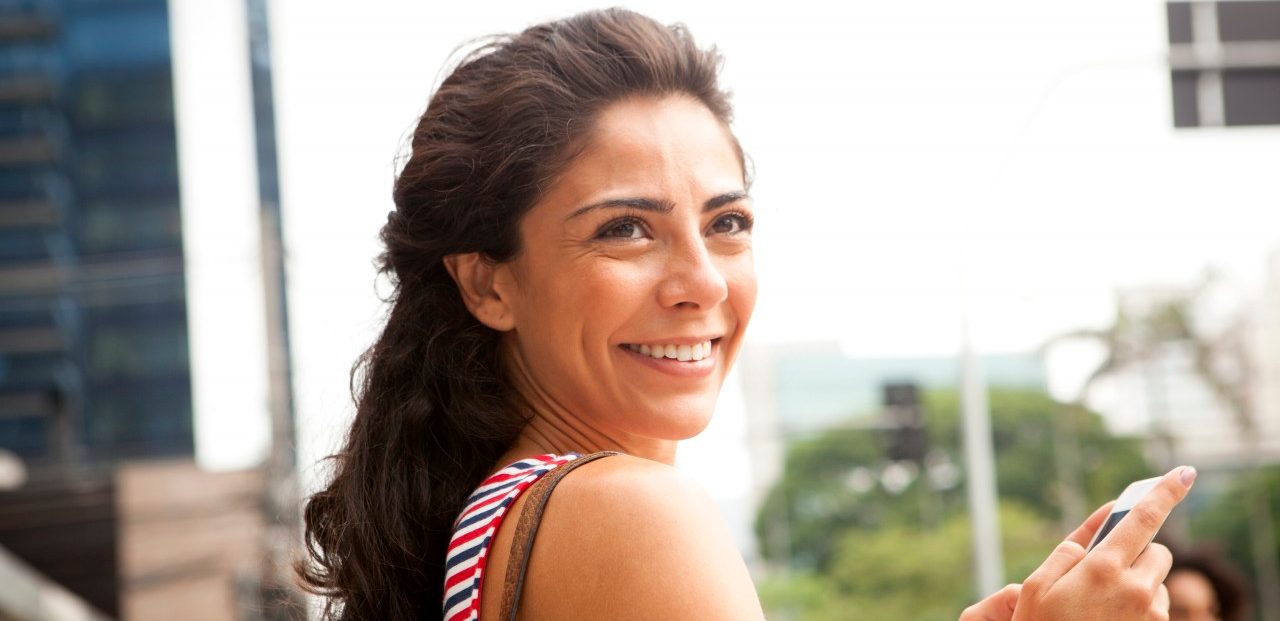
x=14 y=316
x=27 y=436
x=123 y=227
x=1186 y=109
x=140 y=418
x=122 y=99
x=1179 y=14
x=29 y=371
x=1249 y=21
x=164 y=288
x=23 y=245
x=120 y=163
x=1252 y=96
x=19 y=183
x=29 y=57
x=81 y=7
x=137 y=345
x=127 y=36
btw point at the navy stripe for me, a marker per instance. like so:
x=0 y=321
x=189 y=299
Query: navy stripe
x=458 y=558
x=506 y=485
x=521 y=471
x=478 y=517
x=460 y=596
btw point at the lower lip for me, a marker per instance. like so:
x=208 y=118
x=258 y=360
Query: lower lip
x=670 y=366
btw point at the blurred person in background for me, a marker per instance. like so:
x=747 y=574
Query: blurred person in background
x=571 y=255
x=1203 y=586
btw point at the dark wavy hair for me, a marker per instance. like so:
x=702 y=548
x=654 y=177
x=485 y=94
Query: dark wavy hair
x=1229 y=584
x=434 y=406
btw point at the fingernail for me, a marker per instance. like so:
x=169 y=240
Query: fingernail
x=1188 y=475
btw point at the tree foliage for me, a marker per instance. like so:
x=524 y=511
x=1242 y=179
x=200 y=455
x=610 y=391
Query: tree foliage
x=906 y=572
x=818 y=499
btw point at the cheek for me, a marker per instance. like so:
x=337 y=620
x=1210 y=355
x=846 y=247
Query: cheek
x=741 y=278
x=589 y=298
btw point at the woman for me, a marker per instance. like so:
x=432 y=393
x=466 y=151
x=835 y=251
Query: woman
x=1203 y=586
x=571 y=248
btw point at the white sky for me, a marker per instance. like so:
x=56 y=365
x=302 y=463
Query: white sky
x=895 y=143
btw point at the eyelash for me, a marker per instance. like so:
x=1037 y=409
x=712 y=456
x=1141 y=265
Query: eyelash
x=746 y=223
x=745 y=220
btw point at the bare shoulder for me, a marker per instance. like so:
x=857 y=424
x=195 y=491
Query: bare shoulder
x=629 y=538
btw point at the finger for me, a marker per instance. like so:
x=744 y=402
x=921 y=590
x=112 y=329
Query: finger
x=1084 y=534
x=1153 y=564
x=1161 y=603
x=1068 y=554
x=1139 y=527
x=997 y=607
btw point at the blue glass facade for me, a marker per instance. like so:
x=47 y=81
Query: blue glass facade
x=93 y=327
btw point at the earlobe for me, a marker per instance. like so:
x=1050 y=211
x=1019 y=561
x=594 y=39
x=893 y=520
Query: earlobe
x=475 y=277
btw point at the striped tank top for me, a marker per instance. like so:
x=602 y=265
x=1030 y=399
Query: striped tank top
x=476 y=527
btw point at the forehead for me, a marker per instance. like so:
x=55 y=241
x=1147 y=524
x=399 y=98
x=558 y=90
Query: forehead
x=652 y=145
x=1190 y=585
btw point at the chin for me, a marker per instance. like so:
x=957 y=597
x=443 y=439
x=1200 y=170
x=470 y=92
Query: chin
x=678 y=419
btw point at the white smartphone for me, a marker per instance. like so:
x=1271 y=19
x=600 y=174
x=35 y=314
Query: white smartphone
x=1128 y=498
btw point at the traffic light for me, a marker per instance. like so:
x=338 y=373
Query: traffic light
x=904 y=431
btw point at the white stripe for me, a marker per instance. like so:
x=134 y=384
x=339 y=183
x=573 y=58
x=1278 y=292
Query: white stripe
x=471 y=562
x=473 y=509
x=495 y=485
x=459 y=607
x=532 y=468
x=501 y=511
x=473 y=585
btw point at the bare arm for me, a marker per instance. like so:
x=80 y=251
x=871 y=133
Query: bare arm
x=627 y=538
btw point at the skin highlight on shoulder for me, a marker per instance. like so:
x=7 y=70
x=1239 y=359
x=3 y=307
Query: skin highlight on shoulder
x=627 y=538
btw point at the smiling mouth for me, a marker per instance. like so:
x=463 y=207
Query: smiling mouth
x=681 y=353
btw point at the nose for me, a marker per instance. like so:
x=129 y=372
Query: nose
x=691 y=278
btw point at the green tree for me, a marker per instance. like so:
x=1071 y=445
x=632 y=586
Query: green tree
x=1225 y=520
x=823 y=492
x=906 y=573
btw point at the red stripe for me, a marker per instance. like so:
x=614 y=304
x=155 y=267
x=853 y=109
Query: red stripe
x=471 y=509
x=461 y=541
x=474 y=568
x=459 y=577
x=504 y=477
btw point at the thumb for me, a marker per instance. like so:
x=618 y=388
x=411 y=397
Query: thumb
x=997 y=607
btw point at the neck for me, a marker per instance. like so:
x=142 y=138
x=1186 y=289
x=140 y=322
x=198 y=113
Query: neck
x=554 y=428
x=559 y=432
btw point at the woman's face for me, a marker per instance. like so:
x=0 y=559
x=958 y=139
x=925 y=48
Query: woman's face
x=1191 y=597
x=635 y=280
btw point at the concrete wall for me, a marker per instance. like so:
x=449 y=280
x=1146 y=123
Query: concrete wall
x=185 y=535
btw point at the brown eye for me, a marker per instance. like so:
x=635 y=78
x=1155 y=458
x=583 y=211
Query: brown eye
x=627 y=228
x=731 y=224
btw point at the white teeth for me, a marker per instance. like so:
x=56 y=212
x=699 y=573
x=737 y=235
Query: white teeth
x=683 y=353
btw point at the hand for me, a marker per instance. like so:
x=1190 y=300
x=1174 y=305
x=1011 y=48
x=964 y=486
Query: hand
x=997 y=607
x=1122 y=578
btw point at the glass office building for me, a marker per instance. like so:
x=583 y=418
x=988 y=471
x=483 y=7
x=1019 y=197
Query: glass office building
x=93 y=324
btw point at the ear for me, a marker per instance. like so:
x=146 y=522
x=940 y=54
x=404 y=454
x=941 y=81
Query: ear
x=476 y=278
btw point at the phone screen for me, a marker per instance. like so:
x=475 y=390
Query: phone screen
x=1111 y=522
x=1128 y=498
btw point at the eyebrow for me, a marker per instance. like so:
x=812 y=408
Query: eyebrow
x=658 y=205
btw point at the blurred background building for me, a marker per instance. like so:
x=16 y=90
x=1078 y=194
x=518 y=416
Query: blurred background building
x=102 y=502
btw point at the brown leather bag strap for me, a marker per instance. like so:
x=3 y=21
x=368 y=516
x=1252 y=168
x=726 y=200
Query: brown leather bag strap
x=527 y=529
